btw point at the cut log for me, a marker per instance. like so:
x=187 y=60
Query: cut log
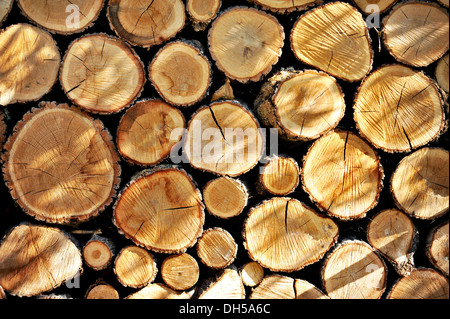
x=444 y=2
x=180 y=272
x=343 y=175
x=398 y=109
x=225 y=197
x=423 y=283
x=98 y=252
x=303 y=105
x=252 y=274
x=227 y=286
x=147 y=23
x=202 y=12
x=135 y=267
x=180 y=73
x=225 y=92
x=442 y=74
x=62 y=16
x=392 y=233
x=274 y=287
x=148 y=131
x=5 y=7
x=280 y=175
x=29 y=63
x=61 y=165
x=420 y=184
x=407 y=33
x=354 y=271
x=224 y=138
x=102 y=291
x=245 y=43
x=305 y=290
x=37 y=259
x=374 y=6
x=437 y=248
x=160 y=291
x=216 y=248
x=334 y=38
x=161 y=210
x=102 y=74
x=283 y=234
x=286 y=6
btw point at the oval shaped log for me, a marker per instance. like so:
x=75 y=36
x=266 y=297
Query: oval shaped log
x=180 y=73
x=334 y=38
x=223 y=138
x=303 y=105
x=62 y=16
x=422 y=283
x=225 y=197
x=161 y=210
x=420 y=184
x=216 y=248
x=286 y=6
x=437 y=249
x=29 y=64
x=442 y=74
x=398 y=109
x=37 y=259
x=201 y=12
x=245 y=43
x=148 y=131
x=343 y=175
x=283 y=234
x=354 y=271
x=60 y=164
x=180 y=272
x=135 y=267
x=102 y=74
x=147 y=23
x=416 y=33
x=392 y=233
x=280 y=175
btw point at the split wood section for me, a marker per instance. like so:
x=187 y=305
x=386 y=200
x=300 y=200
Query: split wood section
x=61 y=164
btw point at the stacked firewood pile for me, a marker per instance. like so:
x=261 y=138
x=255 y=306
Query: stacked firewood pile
x=224 y=149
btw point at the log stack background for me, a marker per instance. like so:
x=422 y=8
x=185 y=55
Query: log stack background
x=114 y=281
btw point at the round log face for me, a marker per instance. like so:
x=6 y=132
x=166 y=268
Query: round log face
x=343 y=175
x=61 y=165
x=135 y=267
x=101 y=74
x=180 y=272
x=417 y=33
x=161 y=211
x=438 y=248
x=282 y=234
x=148 y=23
x=245 y=43
x=442 y=73
x=62 y=16
x=97 y=254
x=420 y=184
x=29 y=64
x=280 y=175
x=203 y=10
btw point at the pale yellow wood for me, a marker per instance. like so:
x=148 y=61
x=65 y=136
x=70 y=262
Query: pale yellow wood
x=334 y=38
x=252 y=274
x=97 y=253
x=148 y=22
x=274 y=287
x=342 y=174
x=216 y=248
x=161 y=210
x=102 y=291
x=441 y=73
x=354 y=271
x=374 y=6
x=286 y=6
x=160 y=291
x=180 y=272
x=203 y=11
x=62 y=16
x=29 y=63
x=101 y=74
x=422 y=283
x=398 y=109
x=148 y=131
x=245 y=43
x=392 y=233
x=417 y=33
x=437 y=248
x=180 y=73
x=420 y=183
x=306 y=290
x=60 y=164
x=283 y=234
x=280 y=175
x=37 y=259
x=227 y=286
x=135 y=267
